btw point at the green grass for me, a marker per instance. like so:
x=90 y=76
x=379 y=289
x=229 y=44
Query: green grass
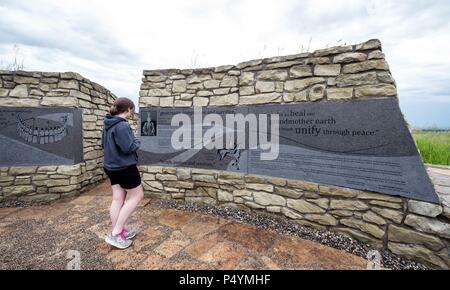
x=434 y=146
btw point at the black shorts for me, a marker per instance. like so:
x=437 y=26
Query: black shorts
x=128 y=178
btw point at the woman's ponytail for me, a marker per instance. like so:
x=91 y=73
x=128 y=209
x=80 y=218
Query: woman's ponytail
x=113 y=110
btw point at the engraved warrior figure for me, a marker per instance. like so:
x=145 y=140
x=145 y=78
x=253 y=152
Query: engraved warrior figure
x=29 y=136
x=51 y=138
x=46 y=133
x=41 y=136
x=35 y=135
x=148 y=128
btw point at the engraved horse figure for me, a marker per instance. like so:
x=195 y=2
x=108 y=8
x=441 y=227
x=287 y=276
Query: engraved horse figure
x=234 y=154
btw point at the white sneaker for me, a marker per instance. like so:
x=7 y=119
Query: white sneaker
x=129 y=234
x=118 y=241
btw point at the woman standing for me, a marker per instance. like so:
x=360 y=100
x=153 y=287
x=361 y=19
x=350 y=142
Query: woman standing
x=119 y=163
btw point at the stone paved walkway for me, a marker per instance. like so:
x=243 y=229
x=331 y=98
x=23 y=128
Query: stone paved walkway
x=440 y=175
x=39 y=237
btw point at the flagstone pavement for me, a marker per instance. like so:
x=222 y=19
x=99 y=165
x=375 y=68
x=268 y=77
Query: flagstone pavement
x=42 y=237
x=45 y=236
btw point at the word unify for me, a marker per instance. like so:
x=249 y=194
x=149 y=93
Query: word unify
x=213 y=138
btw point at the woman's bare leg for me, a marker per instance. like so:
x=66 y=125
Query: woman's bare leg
x=134 y=195
x=119 y=195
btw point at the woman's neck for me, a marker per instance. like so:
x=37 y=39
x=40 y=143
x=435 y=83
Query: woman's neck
x=122 y=116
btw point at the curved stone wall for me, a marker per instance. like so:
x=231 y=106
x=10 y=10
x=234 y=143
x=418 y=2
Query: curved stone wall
x=413 y=229
x=48 y=89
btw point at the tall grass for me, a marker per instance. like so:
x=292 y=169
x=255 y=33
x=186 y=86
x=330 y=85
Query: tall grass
x=434 y=146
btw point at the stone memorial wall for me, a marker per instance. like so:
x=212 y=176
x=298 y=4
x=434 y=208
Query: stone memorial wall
x=62 y=155
x=355 y=79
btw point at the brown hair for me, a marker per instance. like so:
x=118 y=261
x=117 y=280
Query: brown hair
x=121 y=105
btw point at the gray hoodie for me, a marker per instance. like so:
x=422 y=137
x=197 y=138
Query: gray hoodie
x=118 y=143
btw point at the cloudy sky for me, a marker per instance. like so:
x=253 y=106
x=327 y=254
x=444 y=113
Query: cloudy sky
x=111 y=42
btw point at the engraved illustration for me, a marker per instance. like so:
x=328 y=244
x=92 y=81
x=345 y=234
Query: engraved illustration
x=148 y=127
x=234 y=154
x=40 y=131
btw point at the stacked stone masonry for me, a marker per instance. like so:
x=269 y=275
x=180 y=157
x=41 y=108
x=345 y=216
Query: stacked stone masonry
x=342 y=73
x=45 y=89
x=413 y=229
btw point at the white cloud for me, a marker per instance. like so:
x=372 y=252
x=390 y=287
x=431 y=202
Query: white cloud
x=111 y=42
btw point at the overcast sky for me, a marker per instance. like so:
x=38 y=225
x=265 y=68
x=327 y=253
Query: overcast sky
x=111 y=42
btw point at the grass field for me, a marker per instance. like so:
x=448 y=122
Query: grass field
x=434 y=146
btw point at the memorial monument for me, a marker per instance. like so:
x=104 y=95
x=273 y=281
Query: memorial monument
x=361 y=144
x=318 y=138
x=338 y=122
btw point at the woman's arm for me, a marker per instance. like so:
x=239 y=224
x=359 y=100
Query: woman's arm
x=124 y=138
